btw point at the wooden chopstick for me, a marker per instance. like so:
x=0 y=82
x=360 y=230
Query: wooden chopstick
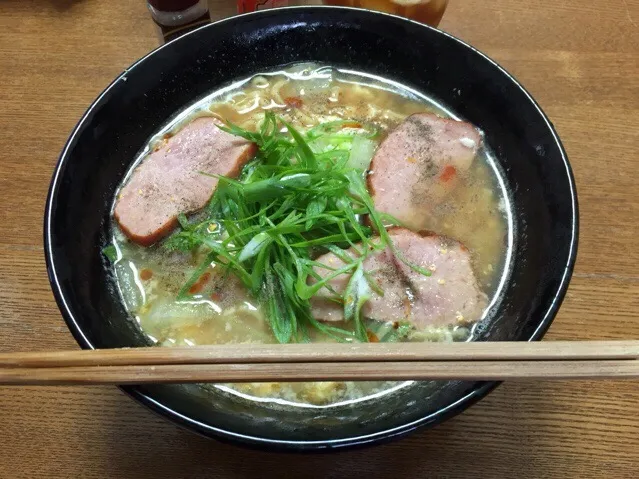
x=359 y=352
x=339 y=371
x=303 y=362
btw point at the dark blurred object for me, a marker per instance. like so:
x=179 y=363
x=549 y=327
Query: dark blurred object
x=176 y=17
x=245 y=6
x=429 y=12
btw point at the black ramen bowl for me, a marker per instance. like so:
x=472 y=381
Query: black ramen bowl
x=141 y=100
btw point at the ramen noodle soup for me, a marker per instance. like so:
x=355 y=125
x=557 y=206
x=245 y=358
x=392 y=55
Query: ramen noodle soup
x=312 y=204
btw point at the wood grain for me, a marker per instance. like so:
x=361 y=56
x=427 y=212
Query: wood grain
x=580 y=59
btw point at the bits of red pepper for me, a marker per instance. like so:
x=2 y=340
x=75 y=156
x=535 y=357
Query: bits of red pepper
x=294 y=102
x=146 y=274
x=448 y=173
x=197 y=287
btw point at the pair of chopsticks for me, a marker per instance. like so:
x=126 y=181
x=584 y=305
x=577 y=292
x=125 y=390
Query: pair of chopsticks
x=324 y=362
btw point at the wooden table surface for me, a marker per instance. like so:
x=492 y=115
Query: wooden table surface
x=580 y=59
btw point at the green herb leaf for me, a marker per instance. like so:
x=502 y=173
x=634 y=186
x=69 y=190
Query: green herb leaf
x=315 y=207
x=184 y=222
x=303 y=194
x=304 y=153
x=253 y=247
x=111 y=253
x=356 y=294
x=392 y=332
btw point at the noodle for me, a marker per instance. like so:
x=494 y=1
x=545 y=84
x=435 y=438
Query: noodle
x=334 y=97
x=275 y=91
x=260 y=82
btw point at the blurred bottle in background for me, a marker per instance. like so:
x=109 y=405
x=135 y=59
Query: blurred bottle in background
x=176 y=17
x=245 y=6
x=429 y=12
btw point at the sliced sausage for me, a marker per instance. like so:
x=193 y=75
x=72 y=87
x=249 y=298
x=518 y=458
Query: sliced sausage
x=449 y=296
x=169 y=180
x=419 y=163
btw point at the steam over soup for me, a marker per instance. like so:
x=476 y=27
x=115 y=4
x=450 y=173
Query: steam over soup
x=312 y=204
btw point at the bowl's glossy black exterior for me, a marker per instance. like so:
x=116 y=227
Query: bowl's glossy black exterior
x=144 y=97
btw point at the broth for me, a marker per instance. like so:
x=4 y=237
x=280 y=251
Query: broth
x=220 y=310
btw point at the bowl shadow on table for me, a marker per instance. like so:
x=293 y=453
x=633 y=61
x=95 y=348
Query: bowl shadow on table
x=487 y=436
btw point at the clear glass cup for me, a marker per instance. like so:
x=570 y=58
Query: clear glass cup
x=429 y=12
